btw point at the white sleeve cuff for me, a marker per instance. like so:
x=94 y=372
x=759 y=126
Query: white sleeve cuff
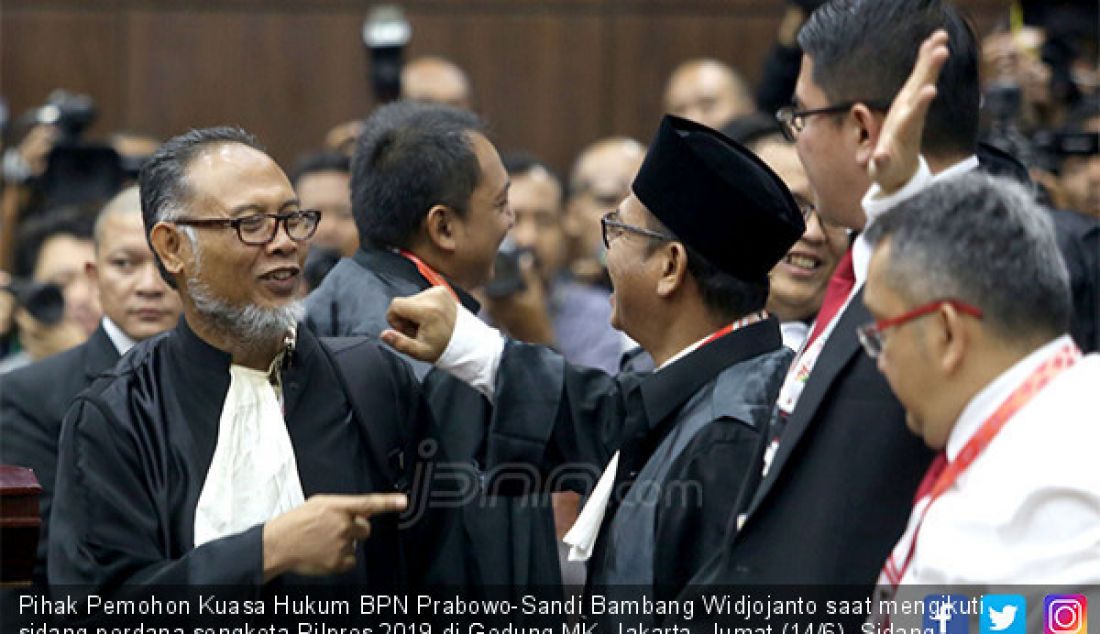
x=875 y=203
x=473 y=353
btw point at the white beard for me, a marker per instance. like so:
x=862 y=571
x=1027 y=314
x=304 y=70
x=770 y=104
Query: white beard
x=251 y=324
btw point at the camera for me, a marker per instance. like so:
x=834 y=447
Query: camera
x=385 y=34
x=71 y=114
x=507 y=274
x=44 y=302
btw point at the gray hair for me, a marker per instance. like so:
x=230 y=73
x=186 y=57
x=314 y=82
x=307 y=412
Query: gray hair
x=164 y=188
x=983 y=240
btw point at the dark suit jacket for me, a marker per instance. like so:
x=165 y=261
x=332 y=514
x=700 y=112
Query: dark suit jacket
x=33 y=400
x=841 y=485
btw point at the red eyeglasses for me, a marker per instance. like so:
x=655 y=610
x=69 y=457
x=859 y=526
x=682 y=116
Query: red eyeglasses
x=870 y=335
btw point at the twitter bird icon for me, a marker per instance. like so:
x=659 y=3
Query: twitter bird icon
x=1004 y=614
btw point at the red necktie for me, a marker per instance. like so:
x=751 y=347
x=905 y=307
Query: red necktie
x=840 y=285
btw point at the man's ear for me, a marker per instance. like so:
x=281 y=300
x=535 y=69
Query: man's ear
x=955 y=339
x=170 y=246
x=867 y=127
x=92 y=271
x=440 y=226
x=673 y=265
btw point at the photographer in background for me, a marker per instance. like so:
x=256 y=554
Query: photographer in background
x=55 y=248
x=54 y=165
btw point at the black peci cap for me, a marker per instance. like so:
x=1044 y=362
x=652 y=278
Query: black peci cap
x=718 y=198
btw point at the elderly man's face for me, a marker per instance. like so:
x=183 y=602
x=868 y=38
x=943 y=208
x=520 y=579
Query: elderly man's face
x=132 y=292
x=906 y=359
x=233 y=181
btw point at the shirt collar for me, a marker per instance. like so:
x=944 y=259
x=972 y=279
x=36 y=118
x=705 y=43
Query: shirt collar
x=384 y=261
x=989 y=398
x=120 y=339
x=875 y=206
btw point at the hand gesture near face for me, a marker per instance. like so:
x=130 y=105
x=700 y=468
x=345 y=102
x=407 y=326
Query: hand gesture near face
x=896 y=155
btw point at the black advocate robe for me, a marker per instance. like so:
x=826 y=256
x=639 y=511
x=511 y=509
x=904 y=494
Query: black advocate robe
x=33 y=401
x=689 y=433
x=504 y=541
x=136 y=446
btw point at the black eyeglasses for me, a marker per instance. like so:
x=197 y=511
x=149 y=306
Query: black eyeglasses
x=260 y=229
x=612 y=228
x=792 y=121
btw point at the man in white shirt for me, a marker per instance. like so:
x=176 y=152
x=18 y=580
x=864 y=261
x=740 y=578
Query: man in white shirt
x=972 y=307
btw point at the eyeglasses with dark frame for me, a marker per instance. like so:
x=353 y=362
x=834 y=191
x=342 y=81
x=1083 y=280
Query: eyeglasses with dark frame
x=870 y=335
x=261 y=229
x=612 y=228
x=791 y=121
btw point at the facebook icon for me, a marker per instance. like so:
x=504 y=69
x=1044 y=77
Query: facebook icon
x=946 y=614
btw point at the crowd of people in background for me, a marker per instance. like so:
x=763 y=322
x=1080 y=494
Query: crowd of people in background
x=798 y=223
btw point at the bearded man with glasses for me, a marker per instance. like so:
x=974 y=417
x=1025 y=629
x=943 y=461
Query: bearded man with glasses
x=234 y=449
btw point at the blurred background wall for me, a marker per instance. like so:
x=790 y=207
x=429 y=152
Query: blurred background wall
x=550 y=75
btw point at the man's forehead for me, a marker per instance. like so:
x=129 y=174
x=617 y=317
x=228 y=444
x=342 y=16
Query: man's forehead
x=232 y=171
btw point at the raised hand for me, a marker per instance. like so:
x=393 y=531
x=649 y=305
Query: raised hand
x=896 y=155
x=422 y=324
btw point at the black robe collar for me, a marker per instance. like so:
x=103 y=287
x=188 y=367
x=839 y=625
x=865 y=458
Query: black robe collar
x=386 y=262
x=665 y=391
x=195 y=355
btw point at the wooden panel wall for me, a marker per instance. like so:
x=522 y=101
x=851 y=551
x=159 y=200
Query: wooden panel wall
x=550 y=75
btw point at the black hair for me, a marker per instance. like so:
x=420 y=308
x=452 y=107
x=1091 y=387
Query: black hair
x=864 y=50
x=74 y=220
x=325 y=161
x=163 y=178
x=983 y=240
x=410 y=157
x=725 y=296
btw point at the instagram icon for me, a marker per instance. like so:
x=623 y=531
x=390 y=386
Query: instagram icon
x=1065 y=614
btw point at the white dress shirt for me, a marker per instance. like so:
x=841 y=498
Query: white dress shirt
x=1027 y=510
x=122 y=341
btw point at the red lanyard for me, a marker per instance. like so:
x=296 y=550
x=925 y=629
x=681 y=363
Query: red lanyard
x=740 y=323
x=435 y=279
x=1065 y=357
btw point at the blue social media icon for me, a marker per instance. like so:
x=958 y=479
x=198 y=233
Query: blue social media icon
x=946 y=614
x=1004 y=614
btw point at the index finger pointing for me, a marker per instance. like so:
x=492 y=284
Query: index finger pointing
x=375 y=504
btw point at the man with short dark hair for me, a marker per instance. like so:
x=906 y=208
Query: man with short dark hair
x=235 y=449
x=689 y=251
x=840 y=468
x=430 y=198
x=137 y=304
x=971 y=307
